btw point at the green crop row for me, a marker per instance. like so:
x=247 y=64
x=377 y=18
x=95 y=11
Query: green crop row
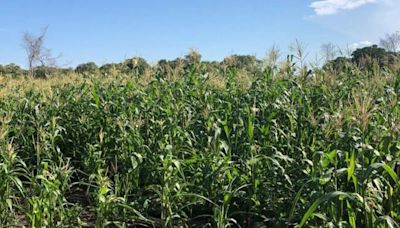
x=315 y=151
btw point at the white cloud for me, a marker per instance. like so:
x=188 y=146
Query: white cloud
x=329 y=7
x=361 y=44
x=370 y=24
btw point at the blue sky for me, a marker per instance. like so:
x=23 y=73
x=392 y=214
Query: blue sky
x=110 y=31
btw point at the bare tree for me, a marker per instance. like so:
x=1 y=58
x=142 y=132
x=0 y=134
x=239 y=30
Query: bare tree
x=329 y=51
x=391 y=42
x=36 y=52
x=345 y=51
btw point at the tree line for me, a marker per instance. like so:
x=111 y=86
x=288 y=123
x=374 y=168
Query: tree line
x=42 y=63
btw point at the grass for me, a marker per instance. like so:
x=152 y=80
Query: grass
x=224 y=149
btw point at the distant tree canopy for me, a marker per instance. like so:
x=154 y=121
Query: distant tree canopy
x=385 y=56
x=367 y=54
x=110 y=68
x=340 y=64
x=12 y=69
x=39 y=71
x=366 y=57
x=135 y=65
x=87 y=68
x=246 y=62
x=193 y=57
x=44 y=71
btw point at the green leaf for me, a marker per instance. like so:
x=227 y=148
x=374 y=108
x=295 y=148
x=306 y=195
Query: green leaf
x=351 y=167
x=314 y=206
x=351 y=214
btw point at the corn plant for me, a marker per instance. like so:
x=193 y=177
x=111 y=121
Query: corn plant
x=195 y=145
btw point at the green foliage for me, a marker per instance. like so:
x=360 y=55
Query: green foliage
x=135 y=66
x=87 y=68
x=247 y=62
x=109 y=69
x=193 y=57
x=287 y=151
x=11 y=70
x=374 y=52
x=44 y=72
x=367 y=56
x=340 y=64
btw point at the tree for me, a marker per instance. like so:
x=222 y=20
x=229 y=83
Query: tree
x=340 y=64
x=36 y=52
x=135 y=65
x=329 y=51
x=43 y=71
x=368 y=56
x=193 y=57
x=110 y=68
x=245 y=62
x=391 y=42
x=87 y=68
x=11 y=69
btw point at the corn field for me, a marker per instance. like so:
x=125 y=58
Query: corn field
x=277 y=150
